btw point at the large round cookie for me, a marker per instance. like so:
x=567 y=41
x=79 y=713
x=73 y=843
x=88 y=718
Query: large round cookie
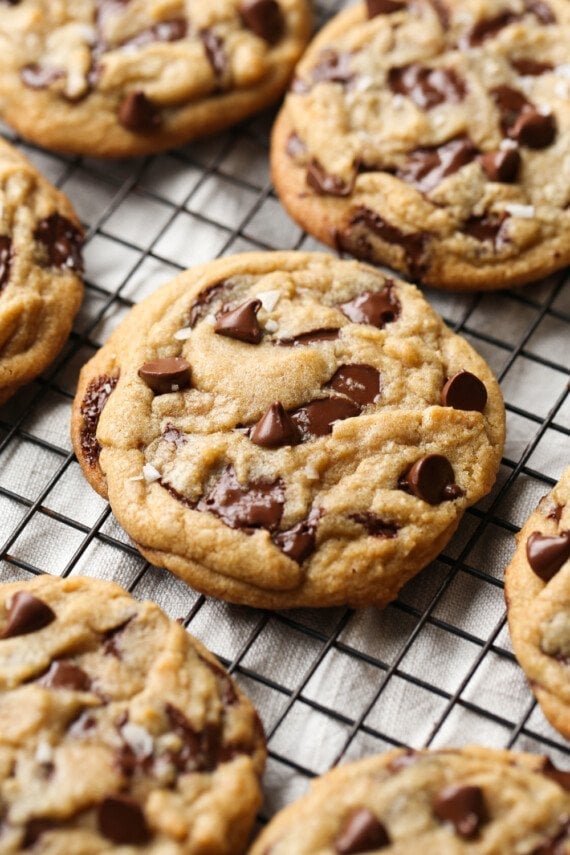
x=126 y=77
x=473 y=800
x=119 y=731
x=537 y=590
x=291 y=446
x=40 y=265
x=434 y=136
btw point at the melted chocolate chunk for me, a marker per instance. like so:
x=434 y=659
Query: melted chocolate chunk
x=413 y=244
x=264 y=18
x=96 y=396
x=63 y=241
x=427 y=167
x=547 y=553
x=556 y=844
x=110 y=638
x=203 y=301
x=36 y=76
x=34 y=830
x=360 y=383
x=310 y=337
x=26 y=614
x=215 y=51
x=464 y=391
x=325 y=184
x=332 y=67
x=361 y=832
x=295 y=146
x=258 y=504
x=530 y=67
x=227 y=691
x=5 y=260
x=427 y=87
x=318 y=417
x=166 y=375
x=199 y=751
x=376 y=308
x=383 y=7
x=241 y=323
x=486 y=28
x=484 y=228
x=432 y=479
x=275 y=428
x=464 y=807
x=561 y=777
x=138 y=114
x=121 y=819
x=502 y=165
x=66 y=675
x=375 y=525
x=163 y=31
x=541 y=11
x=299 y=541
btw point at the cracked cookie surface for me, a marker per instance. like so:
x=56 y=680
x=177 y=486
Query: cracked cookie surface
x=40 y=268
x=473 y=800
x=125 y=77
x=120 y=732
x=433 y=136
x=537 y=590
x=289 y=429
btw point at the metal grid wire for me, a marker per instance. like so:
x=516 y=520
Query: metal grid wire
x=435 y=667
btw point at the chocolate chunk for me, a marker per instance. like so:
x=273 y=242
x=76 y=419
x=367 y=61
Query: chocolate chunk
x=325 y=184
x=298 y=542
x=63 y=241
x=137 y=113
x=376 y=308
x=166 y=375
x=510 y=104
x=241 y=323
x=66 y=675
x=486 y=28
x=427 y=87
x=96 y=397
x=502 y=165
x=464 y=391
x=215 y=51
x=464 y=807
x=26 y=614
x=257 y=504
x=534 y=129
x=360 y=383
x=199 y=750
x=34 y=829
x=383 y=7
x=530 y=67
x=361 y=832
x=5 y=260
x=333 y=67
x=317 y=417
x=427 y=167
x=561 y=777
x=122 y=820
x=375 y=525
x=413 y=244
x=547 y=553
x=275 y=428
x=36 y=76
x=484 y=228
x=541 y=11
x=163 y=31
x=429 y=479
x=310 y=337
x=109 y=642
x=264 y=18
x=203 y=301
x=295 y=146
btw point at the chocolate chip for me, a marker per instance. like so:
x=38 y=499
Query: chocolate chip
x=427 y=87
x=375 y=525
x=502 y=165
x=264 y=18
x=534 y=129
x=360 y=383
x=63 y=241
x=530 y=67
x=96 y=396
x=122 y=820
x=241 y=323
x=413 y=243
x=429 y=477
x=257 y=504
x=295 y=146
x=325 y=184
x=484 y=228
x=310 y=337
x=26 y=614
x=163 y=31
x=464 y=391
x=547 y=553
x=66 y=675
x=215 y=51
x=361 y=832
x=561 y=777
x=36 y=76
x=298 y=542
x=5 y=260
x=383 y=7
x=166 y=375
x=137 y=113
x=275 y=428
x=317 y=417
x=427 y=167
x=376 y=308
x=463 y=806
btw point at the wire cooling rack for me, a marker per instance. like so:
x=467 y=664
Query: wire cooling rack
x=435 y=668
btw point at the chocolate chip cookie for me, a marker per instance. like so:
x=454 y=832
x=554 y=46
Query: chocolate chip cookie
x=537 y=589
x=120 y=732
x=474 y=800
x=40 y=268
x=434 y=136
x=287 y=429
x=126 y=77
